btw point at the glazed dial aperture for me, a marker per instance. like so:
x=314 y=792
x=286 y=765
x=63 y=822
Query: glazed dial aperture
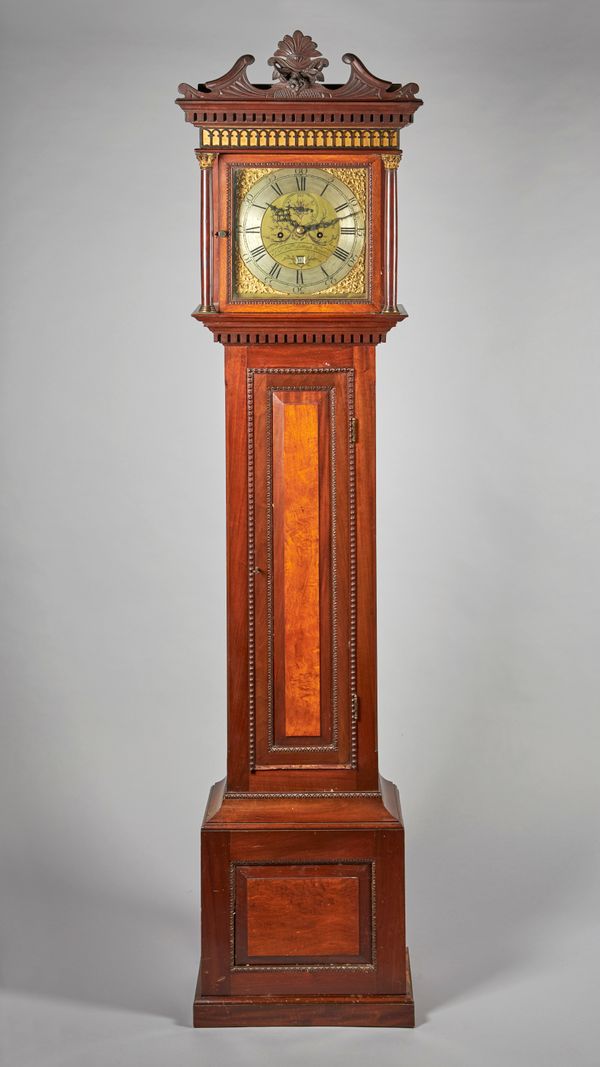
x=300 y=230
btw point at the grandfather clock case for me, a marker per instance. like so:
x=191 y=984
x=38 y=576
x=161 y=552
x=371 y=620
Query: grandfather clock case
x=302 y=888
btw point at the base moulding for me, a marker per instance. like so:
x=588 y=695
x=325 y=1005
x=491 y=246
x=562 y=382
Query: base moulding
x=322 y=1010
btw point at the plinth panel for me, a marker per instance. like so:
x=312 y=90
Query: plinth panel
x=303 y=911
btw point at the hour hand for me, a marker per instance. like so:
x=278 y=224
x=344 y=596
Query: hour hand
x=282 y=214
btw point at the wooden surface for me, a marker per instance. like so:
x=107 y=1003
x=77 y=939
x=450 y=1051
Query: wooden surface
x=253 y=810
x=303 y=842
x=238 y=622
x=303 y=891
x=329 y=917
x=206 y=238
x=296 y=458
x=306 y=1010
x=300 y=639
x=390 y=229
x=303 y=907
x=298 y=78
x=320 y=305
x=304 y=328
x=299 y=913
x=279 y=644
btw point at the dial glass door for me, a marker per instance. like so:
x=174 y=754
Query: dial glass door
x=300 y=233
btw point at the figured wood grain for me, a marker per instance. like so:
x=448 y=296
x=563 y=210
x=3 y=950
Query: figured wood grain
x=296 y=556
x=303 y=919
x=278 y=770
x=322 y=729
x=276 y=389
x=300 y=916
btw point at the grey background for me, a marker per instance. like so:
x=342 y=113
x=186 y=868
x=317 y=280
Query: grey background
x=113 y=699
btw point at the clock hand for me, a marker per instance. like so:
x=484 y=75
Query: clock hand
x=282 y=214
x=332 y=222
x=320 y=225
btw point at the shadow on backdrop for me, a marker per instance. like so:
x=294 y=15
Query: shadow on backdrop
x=68 y=940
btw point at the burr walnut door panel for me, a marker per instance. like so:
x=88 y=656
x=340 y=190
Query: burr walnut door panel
x=302 y=545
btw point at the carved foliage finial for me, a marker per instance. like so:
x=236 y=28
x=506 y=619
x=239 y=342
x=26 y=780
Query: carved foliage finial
x=297 y=62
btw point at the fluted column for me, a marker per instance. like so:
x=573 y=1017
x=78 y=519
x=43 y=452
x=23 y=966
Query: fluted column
x=391 y=162
x=206 y=160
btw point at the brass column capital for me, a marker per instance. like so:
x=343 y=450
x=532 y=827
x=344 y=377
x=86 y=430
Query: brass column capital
x=205 y=159
x=391 y=160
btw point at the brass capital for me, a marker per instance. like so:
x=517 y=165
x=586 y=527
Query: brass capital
x=391 y=160
x=205 y=159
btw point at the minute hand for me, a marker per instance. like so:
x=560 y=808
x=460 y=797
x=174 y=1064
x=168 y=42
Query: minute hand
x=323 y=225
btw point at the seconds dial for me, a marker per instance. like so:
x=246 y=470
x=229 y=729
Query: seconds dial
x=300 y=230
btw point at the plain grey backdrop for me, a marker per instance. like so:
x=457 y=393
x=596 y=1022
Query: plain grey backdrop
x=112 y=587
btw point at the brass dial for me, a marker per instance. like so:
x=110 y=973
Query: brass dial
x=300 y=230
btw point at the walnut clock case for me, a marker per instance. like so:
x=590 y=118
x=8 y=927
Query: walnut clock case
x=303 y=841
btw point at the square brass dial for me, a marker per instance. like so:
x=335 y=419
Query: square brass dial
x=300 y=233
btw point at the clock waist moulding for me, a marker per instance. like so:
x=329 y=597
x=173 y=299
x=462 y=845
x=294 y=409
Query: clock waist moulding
x=302 y=893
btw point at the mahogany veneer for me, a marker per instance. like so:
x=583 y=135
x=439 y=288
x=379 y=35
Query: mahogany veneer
x=302 y=842
x=303 y=897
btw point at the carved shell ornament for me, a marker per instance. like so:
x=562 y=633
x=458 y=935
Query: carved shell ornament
x=298 y=63
x=298 y=74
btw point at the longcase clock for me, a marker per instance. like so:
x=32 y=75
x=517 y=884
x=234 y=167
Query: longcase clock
x=302 y=842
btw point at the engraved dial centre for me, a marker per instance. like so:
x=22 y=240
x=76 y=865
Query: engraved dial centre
x=300 y=225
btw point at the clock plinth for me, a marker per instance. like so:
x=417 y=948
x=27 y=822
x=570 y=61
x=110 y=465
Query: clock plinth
x=303 y=922
x=303 y=842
